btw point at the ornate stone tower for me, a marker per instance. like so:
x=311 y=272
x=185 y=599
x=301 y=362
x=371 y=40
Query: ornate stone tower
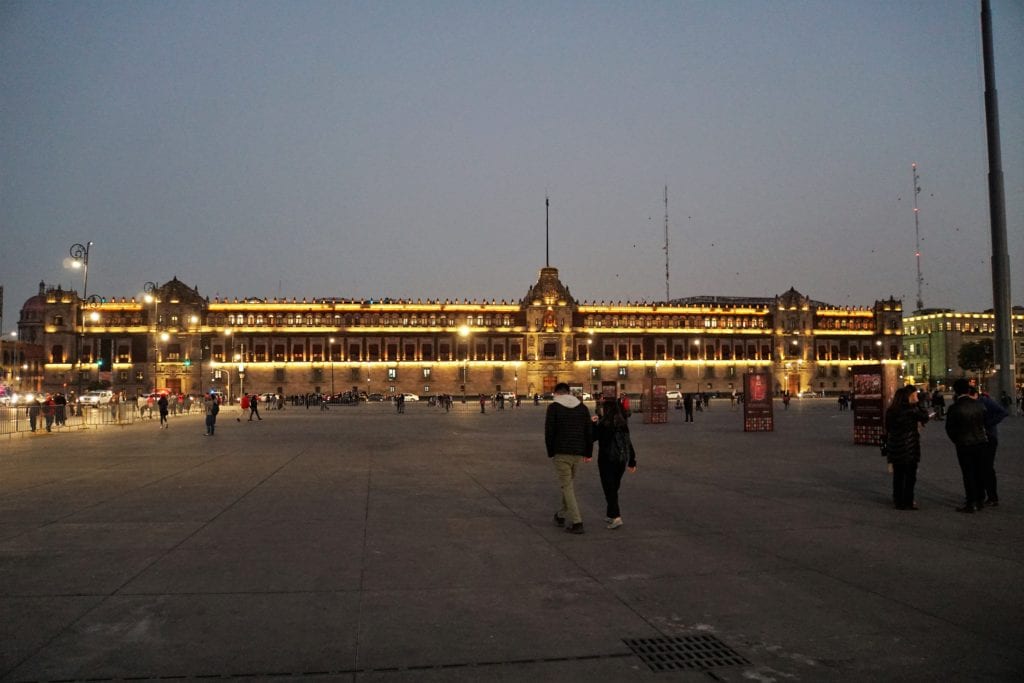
x=549 y=308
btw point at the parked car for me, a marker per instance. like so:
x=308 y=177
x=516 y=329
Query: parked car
x=96 y=398
x=375 y=397
x=410 y=397
x=673 y=394
x=509 y=396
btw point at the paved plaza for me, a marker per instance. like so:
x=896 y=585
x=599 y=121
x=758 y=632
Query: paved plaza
x=360 y=545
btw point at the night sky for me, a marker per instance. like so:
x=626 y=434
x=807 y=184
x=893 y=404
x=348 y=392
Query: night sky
x=404 y=149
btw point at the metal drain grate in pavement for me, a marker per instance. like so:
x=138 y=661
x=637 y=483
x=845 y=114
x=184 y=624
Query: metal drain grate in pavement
x=682 y=653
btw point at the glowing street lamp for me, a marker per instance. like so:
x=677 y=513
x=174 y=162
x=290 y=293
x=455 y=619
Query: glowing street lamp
x=464 y=333
x=330 y=351
x=79 y=258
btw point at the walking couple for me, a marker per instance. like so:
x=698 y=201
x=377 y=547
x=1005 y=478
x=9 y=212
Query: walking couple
x=569 y=435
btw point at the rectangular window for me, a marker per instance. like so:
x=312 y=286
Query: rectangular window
x=637 y=353
x=139 y=375
x=623 y=371
x=426 y=373
x=278 y=374
x=354 y=352
x=373 y=352
x=410 y=352
x=515 y=352
x=550 y=350
x=392 y=352
x=427 y=352
x=298 y=352
x=392 y=374
x=444 y=351
x=317 y=353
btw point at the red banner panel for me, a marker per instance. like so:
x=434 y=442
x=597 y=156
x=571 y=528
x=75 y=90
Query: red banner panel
x=758 y=415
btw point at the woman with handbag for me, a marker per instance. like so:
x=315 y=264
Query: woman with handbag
x=903 y=444
x=615 y=453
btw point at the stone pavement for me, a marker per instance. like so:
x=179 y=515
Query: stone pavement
x=360 y=545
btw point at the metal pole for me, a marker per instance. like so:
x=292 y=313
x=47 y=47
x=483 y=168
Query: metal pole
x=80 y=254
x=1003 y=347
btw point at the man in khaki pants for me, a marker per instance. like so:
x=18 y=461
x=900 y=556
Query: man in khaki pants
x=569 y=441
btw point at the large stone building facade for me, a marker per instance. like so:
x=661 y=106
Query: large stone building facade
x=185 y=342
x=933 y=338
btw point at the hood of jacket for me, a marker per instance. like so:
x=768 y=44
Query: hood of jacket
x=567 y=400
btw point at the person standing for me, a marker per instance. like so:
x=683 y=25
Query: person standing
x=903 y=444
x=994 y=414
x=615 y=453
x=162 y=405
x=568 y=437
x=254 y=407
x=688 y=407
x=212 y=408
x=49 y=411
x=965 y=426
x=244 y=405
x=939 y=404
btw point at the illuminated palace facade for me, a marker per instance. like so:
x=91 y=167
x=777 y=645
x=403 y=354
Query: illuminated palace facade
x=933 y=338
x=179 y=340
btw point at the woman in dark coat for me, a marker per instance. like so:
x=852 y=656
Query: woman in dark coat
x=614 y=454
x=903 y=444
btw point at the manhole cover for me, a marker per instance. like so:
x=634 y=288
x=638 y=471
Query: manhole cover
x=698 y=652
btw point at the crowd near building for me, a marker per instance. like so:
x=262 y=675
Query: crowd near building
x=176 y=339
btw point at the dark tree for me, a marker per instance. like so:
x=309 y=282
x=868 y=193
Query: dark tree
x=977 y=356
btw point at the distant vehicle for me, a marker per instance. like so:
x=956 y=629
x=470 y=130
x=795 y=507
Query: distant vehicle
x=96 y=398
x=410 y=397
x=375 y=397
x=508 y=395
x=808 y=394
x=673 y=394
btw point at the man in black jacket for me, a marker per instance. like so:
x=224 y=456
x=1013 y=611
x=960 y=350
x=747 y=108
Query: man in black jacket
x=965 y=426
x=569 y=441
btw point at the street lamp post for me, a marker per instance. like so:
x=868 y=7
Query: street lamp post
x=330 y=350
x=696 y=342
x=229 y=356
x=151 y=297
x=464 y=333
x=79 y=258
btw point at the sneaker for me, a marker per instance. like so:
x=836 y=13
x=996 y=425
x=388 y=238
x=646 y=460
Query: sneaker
x=615 y=523
x=575 y=528
x=559 y=521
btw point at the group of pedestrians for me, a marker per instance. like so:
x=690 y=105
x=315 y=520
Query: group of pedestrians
x=569 y=435
x=971 y=424
x=250 y=403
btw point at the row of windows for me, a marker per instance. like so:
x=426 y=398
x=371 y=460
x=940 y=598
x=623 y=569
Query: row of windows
x=676 y=321
x=357 y=320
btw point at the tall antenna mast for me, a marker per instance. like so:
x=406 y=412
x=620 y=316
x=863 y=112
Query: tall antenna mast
x=917 y=236
x=667 y=297
x=547 y=232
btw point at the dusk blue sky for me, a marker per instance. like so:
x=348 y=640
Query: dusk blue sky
x=404 y=149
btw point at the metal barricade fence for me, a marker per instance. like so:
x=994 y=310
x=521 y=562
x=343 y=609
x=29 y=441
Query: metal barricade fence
x=18 y=419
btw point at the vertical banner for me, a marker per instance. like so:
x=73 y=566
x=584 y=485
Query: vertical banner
x=655 y=401
x=758 y=415
x=868 y=405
